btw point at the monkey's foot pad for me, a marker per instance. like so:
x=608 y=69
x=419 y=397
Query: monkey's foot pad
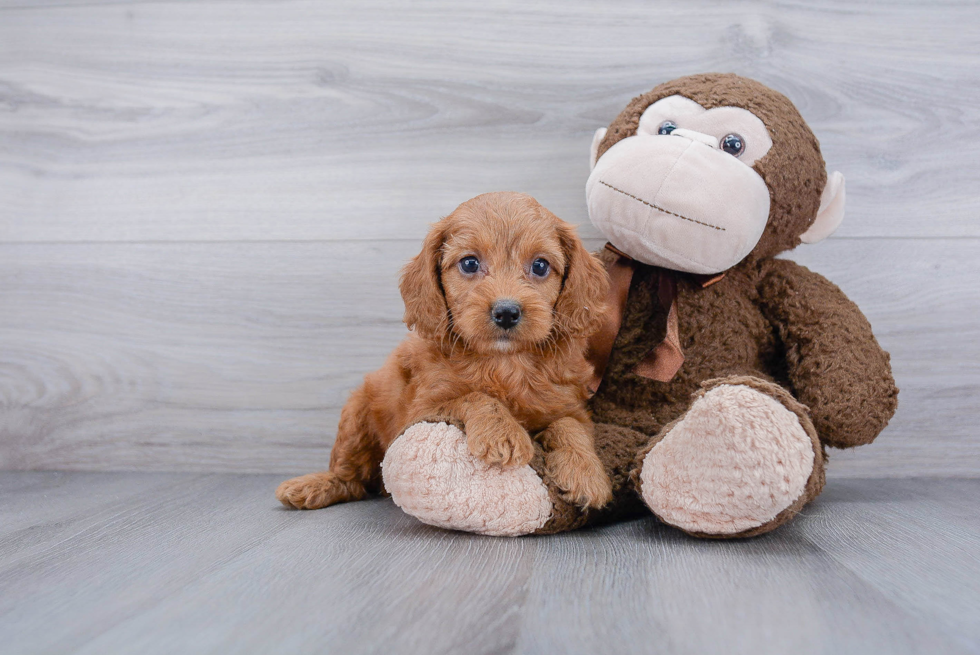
x=734 y=462
x=431 y=475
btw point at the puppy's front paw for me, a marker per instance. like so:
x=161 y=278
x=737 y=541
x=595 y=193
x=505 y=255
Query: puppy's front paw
x=580 y=476
x=499 y=440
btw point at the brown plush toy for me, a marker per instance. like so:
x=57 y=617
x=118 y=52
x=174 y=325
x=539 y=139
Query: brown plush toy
x=722 y=373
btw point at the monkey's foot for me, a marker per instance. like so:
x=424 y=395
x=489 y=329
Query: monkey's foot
x=431 y=474
x=743 y=460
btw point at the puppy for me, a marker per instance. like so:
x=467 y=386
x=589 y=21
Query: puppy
x=500 y=302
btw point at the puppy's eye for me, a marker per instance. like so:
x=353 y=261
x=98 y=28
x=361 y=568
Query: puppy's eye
x=667 y=127
x=469 y=265
x=540 y=268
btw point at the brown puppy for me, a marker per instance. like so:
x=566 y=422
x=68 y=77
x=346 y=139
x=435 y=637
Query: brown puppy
x=501 y=299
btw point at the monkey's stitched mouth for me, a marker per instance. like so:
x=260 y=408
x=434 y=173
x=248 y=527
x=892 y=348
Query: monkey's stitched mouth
x=660 y=209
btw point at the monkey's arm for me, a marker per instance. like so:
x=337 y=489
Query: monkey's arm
x=835 y=365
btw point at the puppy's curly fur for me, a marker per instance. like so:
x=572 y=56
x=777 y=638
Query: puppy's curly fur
x=503 y=380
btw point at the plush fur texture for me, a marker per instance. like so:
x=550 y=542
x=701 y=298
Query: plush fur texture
x=431 y=475
x=695 y=475
x=769 y=328
x=504 y=385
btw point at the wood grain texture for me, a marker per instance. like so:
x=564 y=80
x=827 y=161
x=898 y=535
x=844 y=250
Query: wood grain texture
x=362 y=119
x=165 y=563
x=203 y=206
x=238 y=357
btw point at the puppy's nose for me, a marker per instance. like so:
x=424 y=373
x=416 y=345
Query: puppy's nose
x=506 y=313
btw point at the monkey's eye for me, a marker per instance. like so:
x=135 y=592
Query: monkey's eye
x=733 y=144
x=469 y=264
x=667 y=127
x=540 y=268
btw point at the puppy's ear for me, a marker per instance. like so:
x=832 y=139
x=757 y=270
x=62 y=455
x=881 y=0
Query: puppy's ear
x=581 y=305
x=421 y=287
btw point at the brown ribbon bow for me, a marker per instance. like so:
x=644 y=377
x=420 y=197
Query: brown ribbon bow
x=661 y=363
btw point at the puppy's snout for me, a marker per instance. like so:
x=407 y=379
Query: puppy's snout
x=506 y=313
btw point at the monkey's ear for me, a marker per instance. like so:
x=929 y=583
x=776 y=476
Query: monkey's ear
x=596 y=140
x=421 y=288
x=831 y=211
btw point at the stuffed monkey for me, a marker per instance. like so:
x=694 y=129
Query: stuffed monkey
x=722 y=373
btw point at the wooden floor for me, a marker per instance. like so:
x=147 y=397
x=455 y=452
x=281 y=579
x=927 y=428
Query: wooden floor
x=147 y=563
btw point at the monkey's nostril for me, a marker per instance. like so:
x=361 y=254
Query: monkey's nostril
x=506 y=313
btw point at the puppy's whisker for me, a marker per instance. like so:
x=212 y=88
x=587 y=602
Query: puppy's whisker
x=457 y=337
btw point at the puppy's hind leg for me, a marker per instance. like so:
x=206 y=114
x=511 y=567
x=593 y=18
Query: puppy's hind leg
x=355 y=463
x=316 y=490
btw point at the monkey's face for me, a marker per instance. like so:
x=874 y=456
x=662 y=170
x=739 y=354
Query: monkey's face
x=682 y=192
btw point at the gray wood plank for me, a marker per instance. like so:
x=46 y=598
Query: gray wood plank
x=643 y=583
x=882 y=531
x=38 y=509
x=238 y=357
x=259 y=120
x=95 y=572
x=212 y=564
x=139 y=556
x=135 y=121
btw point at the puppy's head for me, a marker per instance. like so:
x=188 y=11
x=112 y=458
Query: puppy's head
x=503 y=274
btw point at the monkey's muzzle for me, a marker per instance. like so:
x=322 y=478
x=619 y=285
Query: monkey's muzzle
x=677 y=202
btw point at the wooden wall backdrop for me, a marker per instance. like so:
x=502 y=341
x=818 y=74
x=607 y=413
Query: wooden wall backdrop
x=204 y=205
